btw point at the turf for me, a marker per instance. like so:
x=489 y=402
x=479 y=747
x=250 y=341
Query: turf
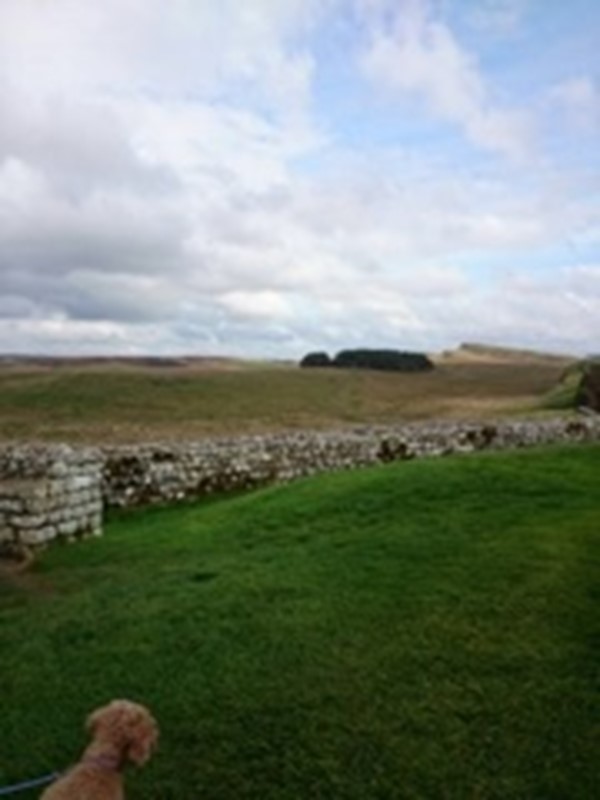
x=420 y=630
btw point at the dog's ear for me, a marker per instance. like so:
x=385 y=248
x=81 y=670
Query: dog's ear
x=143 y=741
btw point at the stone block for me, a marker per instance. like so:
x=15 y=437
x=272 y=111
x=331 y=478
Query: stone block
x=11 y=504
x=7 y=534
x=79 y=482
x=68 y=528
x=28 y=521
x=33 y=537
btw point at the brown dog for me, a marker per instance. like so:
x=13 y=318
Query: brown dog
x=122 y=731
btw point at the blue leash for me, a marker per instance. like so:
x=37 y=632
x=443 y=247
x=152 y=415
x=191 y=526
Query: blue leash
x=21 y=787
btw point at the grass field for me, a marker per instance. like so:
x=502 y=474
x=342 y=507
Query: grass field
x=117 y=404
x=422 y=630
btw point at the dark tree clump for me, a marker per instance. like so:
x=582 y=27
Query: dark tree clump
x=391 y=360
x=316 y=360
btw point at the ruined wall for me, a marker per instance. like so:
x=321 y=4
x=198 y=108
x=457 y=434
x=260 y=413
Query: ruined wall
x=144 y=474
x=58 y=491
x=47 y=492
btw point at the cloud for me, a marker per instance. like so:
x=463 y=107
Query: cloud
x=498 y=17
x=558 y=314
x=160 y=49
x=529 y=305
x=92 y=295
x=171 y=181
x=413 y=53
x=257 y=305
x=579 y=99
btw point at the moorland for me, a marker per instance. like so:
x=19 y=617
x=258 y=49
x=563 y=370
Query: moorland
x=127 y=400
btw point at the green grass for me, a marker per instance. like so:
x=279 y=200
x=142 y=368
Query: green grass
x=422 y=630
x=564 y=394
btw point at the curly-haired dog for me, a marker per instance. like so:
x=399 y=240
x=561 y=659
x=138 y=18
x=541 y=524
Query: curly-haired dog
x=122 y=731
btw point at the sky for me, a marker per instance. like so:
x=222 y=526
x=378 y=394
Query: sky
x=263 y=178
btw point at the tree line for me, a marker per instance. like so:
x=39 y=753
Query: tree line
x=389 y=360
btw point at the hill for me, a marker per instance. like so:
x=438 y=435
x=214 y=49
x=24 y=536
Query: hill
x=82 y=363
x=130 y=401
x=473 y=352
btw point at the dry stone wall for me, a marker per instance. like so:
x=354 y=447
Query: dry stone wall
x=59 y=492
x=49 y=492
x=140 y=475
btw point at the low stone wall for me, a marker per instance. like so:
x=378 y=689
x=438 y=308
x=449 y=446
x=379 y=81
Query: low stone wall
x=145 y=474
x=49 y=492
x=58 y=491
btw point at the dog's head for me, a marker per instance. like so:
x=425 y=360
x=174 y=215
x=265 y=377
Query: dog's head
x=128 y=726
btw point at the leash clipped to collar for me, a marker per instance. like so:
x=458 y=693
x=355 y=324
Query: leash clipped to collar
x=21 y=787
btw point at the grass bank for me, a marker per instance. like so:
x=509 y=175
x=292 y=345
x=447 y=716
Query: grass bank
x=422 y=630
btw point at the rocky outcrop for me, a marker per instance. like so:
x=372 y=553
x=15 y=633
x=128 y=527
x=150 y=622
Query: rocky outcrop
x=58 y=492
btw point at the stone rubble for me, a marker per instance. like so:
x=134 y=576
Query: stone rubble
x=59 y=492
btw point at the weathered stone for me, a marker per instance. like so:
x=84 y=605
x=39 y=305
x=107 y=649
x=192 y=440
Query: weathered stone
x=11 y=504
x=36 y=536
x=69 y=528
x=7 y=533
x=27 y=521
x=43 y=487
x=44 y=490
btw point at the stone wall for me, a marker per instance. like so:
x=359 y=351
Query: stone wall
x=58 y=491
x=49 y=492
x=143 y=474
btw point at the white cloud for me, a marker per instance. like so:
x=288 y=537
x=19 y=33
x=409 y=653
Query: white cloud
x=579 y=99
x=555 y=314
x=179 y=50
x=583 y=280
x=165 y=186
x=412 y=52
x=60 y=335
x=257 y=305
x=498 y=17
x=535 y=306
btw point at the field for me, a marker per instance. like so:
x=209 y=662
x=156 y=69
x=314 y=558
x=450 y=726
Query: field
x=115 y=402
x=422 y=630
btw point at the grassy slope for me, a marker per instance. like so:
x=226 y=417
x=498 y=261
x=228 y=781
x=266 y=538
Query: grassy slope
x=119 y=404
x=423 y=630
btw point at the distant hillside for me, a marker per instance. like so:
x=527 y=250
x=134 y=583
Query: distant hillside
x=208 y=363
x=127 y=400
x=471 y=351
